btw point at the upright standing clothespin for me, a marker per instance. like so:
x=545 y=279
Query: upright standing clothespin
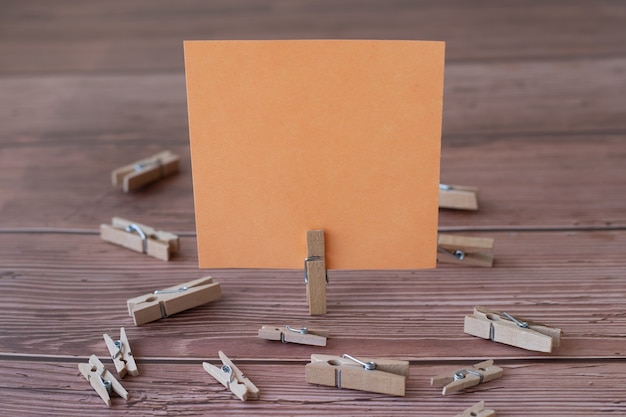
x=477 y=410
x=232 y=378
x=384 y=376
x=136 y=175
x=463 y=250
x=288 y=334
x=121 y=354
x=514 y=331
x=466 y=377
x=315 y=274
x=101 y=380
x=140 y=238
x=166 y=302
x=458 y=197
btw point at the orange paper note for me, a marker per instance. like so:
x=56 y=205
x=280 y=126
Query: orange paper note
x=339 y=135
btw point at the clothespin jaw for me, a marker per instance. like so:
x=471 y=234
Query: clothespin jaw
x=467 y=377
x=140 y=173
x=514 y=331
x=121 y=354
x=232 y=378
x=459 y=197
x=169 y=301
x=384 y=376
x=101 y=380
x=477 y=410
x=315 y=274
x=463 y=250
x=140 y=238
x=288 y=334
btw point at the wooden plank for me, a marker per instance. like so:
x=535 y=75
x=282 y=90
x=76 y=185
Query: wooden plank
x=479 y=99
x=545 y=182
x=539 y=389
x=59 y=286
x=146 y=35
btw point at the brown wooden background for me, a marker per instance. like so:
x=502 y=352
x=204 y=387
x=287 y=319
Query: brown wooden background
x=534 y=115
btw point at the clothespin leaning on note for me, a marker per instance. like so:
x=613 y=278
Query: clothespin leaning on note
x=477 y=410
x=458 y=197
x=140 y=238
x=121 y=354
x=232 y=378
x=315 y=274
x=384 y=376
x=101 y=380
x=514 y=331
x=136 y=175
x=466 y=377
x=166 y=302
x=288 y=334
x=463 y=250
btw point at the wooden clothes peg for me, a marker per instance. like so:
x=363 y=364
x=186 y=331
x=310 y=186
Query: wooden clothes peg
x=514 y=331
x=463 y=250
x=101 y=380
x=140 y=238
x=288 y=334
x=315 y=274
x=466 y=377
x=458 y=197
x=121 y=354
x=232 y=378
x=140 y=173
x=384 y=376
x=169 y=301
x=477 y=410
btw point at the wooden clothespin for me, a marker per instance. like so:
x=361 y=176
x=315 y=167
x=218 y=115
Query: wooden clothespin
x=169 y=301
x=315 y=274
x=288 y=334
x=140 y=238
x=466 y=377
x=384 y=376
x=458 y=197
x=514 y=331
x=232 y=378
x=463 y=250
x=121 y=354
x=102 y=380
x=477 y=410
x=136 y=175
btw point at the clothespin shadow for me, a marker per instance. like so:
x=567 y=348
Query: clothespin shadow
x=466 y=377
x=315 y=273
x=510 y=330
x=169 y=301
x=121 y=354
x=477 y=410
x=102 y=381
x=384 y=376
x=232 y=378
x=140 y=238
x=458 y=197
x=288 y=334
x=463 y=250
x=145 y=171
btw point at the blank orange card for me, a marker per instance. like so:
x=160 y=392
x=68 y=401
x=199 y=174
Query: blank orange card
x=339 y=135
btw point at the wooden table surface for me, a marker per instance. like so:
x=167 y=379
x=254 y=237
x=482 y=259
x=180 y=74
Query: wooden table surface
x=534 y=116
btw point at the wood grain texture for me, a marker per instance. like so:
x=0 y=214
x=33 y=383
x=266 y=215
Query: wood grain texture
x=545 y=181
x=526 y=389
x=145 y=35
x=533 y=117
x=571 y=280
